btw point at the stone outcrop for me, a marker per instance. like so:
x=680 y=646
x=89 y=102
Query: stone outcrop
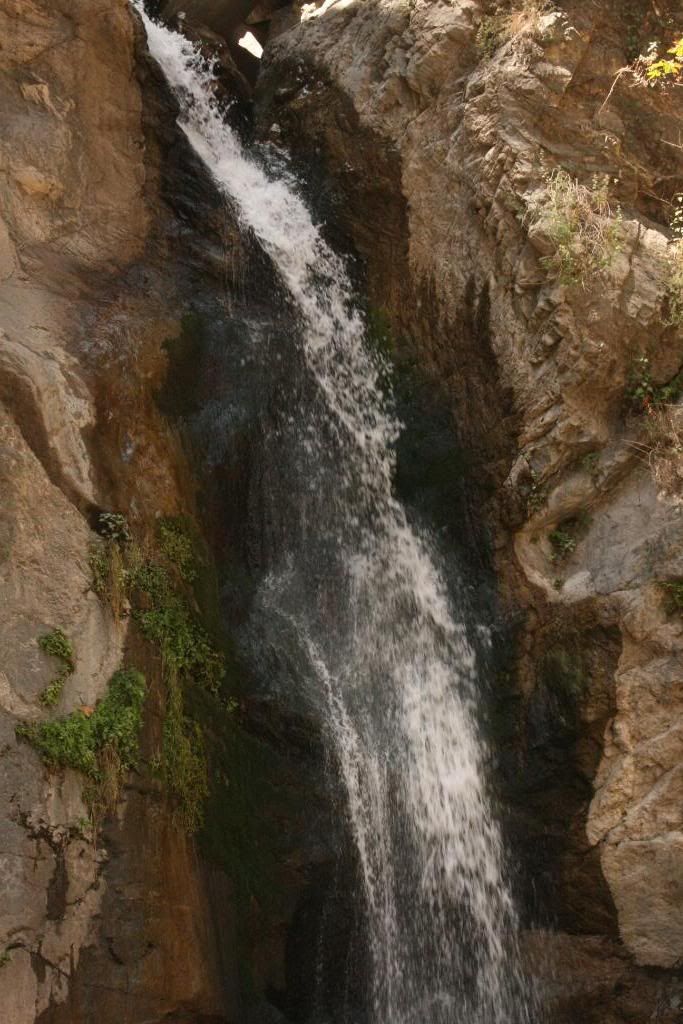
x=441 y=126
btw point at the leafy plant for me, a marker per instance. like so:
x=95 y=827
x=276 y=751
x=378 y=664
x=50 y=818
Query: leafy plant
x=57 y=645
x=581 y=224
x=114 y=526
x=537 y=496
x=176 y=543
x=562 y=543
x=160 y=606
x=564 y=538
x=642 y=393
x=669 y=68
x=103 y=744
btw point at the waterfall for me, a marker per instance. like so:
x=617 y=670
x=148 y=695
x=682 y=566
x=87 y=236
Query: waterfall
x=361 y=591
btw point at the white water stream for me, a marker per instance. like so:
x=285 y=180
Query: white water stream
x=392 y=661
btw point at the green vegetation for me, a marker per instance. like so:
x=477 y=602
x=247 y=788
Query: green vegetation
x=103 y=744
x=57 y=645
x=176 y=543
x=562 y=543
x=5 y=958
x=491 y=34
x=564 y=538
x=108 y=575
x=114 y=526
x=667 y=69
x=581 y=224
x=182 y=762
x=643 y=395
x=154 y=591
x=673 y=591
x=522 y=19
x=165 y=619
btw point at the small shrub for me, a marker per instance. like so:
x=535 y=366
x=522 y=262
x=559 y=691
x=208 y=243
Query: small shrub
x=562 y=544
x=525 y=17
x=564 y=538
x=537 y=494
x=5 y=958
x=57 y=645
x=668 y=69
x=113 y=526
x=580 y=222
x=100 y=745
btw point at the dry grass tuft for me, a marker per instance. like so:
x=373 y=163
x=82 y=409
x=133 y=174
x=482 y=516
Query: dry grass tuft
x=582 y=224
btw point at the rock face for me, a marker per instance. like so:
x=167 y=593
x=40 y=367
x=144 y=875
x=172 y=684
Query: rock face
x=446 y=129
x=113 y=926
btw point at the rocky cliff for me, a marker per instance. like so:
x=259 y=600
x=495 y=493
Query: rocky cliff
x=476 y=147
x=510 y=194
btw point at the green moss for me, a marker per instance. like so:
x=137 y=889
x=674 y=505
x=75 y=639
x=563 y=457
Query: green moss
x=78 y=740
x=5 y=958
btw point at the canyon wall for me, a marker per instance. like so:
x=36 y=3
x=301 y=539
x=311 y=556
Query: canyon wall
x=114 y=925
x=453 y=134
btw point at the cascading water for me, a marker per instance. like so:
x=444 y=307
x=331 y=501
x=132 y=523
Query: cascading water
x=359 y=589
